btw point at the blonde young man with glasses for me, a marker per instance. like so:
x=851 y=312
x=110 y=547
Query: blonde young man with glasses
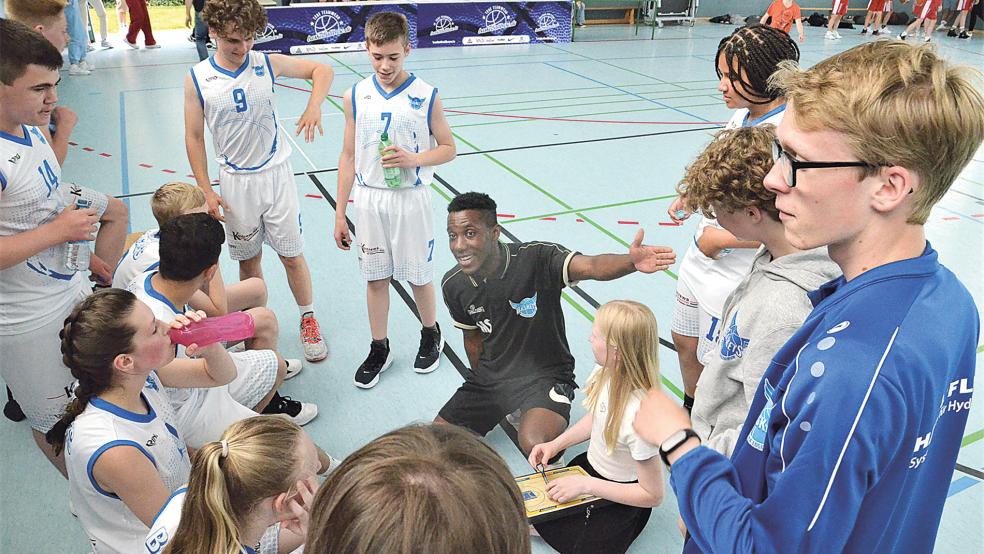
x=852 y=435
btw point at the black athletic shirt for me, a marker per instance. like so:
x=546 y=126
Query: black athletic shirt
x=518 y=313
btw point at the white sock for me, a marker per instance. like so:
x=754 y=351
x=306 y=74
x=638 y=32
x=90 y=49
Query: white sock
x=306 y=309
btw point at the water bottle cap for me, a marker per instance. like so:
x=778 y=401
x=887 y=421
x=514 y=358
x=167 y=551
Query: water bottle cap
x=384 y=136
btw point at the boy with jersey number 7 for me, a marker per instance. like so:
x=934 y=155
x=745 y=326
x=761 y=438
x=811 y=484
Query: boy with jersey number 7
x=232 y=92
x=393 y=121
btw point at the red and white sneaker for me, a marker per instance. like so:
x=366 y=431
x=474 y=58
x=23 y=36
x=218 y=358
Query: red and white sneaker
x=315 y=348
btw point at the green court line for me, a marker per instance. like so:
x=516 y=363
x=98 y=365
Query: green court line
x=616 y=66
x=578 y=116
x=972 y=438
x=592 y=208
x=666 y=382
x=568 y=89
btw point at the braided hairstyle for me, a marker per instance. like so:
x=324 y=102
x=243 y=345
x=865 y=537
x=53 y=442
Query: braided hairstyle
x=752 y=54
x=94 y=334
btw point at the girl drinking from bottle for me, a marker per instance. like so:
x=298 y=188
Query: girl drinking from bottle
x=249 y=492
x=622 y=468
x=123 y=453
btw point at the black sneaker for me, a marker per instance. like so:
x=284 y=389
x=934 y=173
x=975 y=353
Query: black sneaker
x=952 y=32
x=378 y=360
x=12 y=409
x=429 y=353
x=300 y=413
x=864 y=30
x=964 y=34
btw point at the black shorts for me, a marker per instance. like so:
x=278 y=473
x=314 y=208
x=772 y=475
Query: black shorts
x=480 y=406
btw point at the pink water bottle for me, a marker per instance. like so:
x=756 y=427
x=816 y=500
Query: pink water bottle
x=230 y=327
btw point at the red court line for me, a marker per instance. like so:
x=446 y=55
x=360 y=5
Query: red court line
x=548 y=218
x=145 y=165
x=628 y=222
x=538 y=118
x=510 y=216
x=669 y=224
x=313 y=196
x=579 y=220
x=169 y=171
x=105 y=155
x=87 y=149
x=950 y=218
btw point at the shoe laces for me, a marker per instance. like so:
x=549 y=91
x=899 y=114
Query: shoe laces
x=310 y=330
x=428 y=339
x=289 y=406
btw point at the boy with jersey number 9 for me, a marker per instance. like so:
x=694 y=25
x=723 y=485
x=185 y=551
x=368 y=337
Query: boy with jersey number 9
x=395 y=223
x=233 y=93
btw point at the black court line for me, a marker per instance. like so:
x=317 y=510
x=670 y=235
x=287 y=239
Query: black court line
x=576 y=289
x=971 y=471
x=507 y=149
x=449 y=352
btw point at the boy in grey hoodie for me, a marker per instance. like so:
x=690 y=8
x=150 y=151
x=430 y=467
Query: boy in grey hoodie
x=770 y=304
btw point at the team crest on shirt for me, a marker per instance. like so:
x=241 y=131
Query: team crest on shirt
x=756 y=438
x=732 y=343
x=525 y=307
x=416 y=103
x=258 y=70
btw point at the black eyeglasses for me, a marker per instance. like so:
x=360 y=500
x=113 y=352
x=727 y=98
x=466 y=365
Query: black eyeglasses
x=791 y=166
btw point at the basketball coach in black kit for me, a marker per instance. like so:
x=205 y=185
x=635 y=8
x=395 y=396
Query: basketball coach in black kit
x=505 y=298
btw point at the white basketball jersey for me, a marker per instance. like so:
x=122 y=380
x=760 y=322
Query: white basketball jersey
x=240 y=113
x=109 y=523
x=143 y=255
x=36 y=290
x=712 y=280
x=165 y=311
x=166 y=523
x=404 y=115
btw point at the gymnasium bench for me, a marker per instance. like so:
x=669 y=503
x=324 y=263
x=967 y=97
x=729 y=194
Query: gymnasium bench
x=628 y=10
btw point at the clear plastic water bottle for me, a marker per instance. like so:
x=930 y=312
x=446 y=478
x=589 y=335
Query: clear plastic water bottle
x=390 y=174
x=77 y=253
x=230 y=327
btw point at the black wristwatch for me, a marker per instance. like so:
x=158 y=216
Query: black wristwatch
x=673 y=442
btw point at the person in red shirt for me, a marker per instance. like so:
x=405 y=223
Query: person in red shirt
x=782 y=14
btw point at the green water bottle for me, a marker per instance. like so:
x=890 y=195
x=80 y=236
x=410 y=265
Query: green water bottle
x=390 y=174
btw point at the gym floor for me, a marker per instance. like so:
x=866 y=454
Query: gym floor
x=578 y=143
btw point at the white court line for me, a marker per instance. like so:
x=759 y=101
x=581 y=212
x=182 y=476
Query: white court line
x=297 y=147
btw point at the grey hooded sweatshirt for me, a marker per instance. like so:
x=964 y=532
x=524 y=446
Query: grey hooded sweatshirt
x=766 y=308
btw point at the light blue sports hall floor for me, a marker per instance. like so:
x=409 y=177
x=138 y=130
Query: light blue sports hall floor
x=630 y=113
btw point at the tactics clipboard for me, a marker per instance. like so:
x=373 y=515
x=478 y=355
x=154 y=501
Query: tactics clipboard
x=540 y=508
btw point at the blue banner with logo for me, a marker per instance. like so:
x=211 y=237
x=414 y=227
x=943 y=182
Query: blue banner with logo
x=325 y=27
x=475 y=23
x=340 y=27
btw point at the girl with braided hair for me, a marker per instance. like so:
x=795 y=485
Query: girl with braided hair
x=249 y=492
x=123 y=453
x=717 y=261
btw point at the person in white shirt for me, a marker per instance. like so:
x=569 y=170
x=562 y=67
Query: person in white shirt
x=622 y=467
x=123 y=451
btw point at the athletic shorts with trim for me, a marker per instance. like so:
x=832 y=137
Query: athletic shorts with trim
x=839 y=7
x=481 y=406
x=33 y=369
x=887 y=7
x=262 y=207
x=690 y=319
x=926 y=9
x=876 y=5
x=212 y=410
x=964 y=5
x=394 y=233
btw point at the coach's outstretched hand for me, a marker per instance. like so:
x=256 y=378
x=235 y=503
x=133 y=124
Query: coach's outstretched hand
x=650 y=259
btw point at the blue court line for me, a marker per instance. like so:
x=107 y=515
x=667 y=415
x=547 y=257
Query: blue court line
x=630 y=93
x=124 y=170
x=957 y=486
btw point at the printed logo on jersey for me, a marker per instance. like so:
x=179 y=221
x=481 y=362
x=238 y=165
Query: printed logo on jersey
x=268 y=34
x=247 y=236
x=156 y=543
x=485 y=326
x=258 y=70
x=442 y=25
x=152 y=441
x=546 y=22
x=372 y=250
x=328 y=25
x=14 y=159
x=497 y=18
x=472 y=309
x=525 y=307
x=151 y=384
x=732 y=343
x=212 y=78
x=416 y=103
x=39 y=267
x=757 y=437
